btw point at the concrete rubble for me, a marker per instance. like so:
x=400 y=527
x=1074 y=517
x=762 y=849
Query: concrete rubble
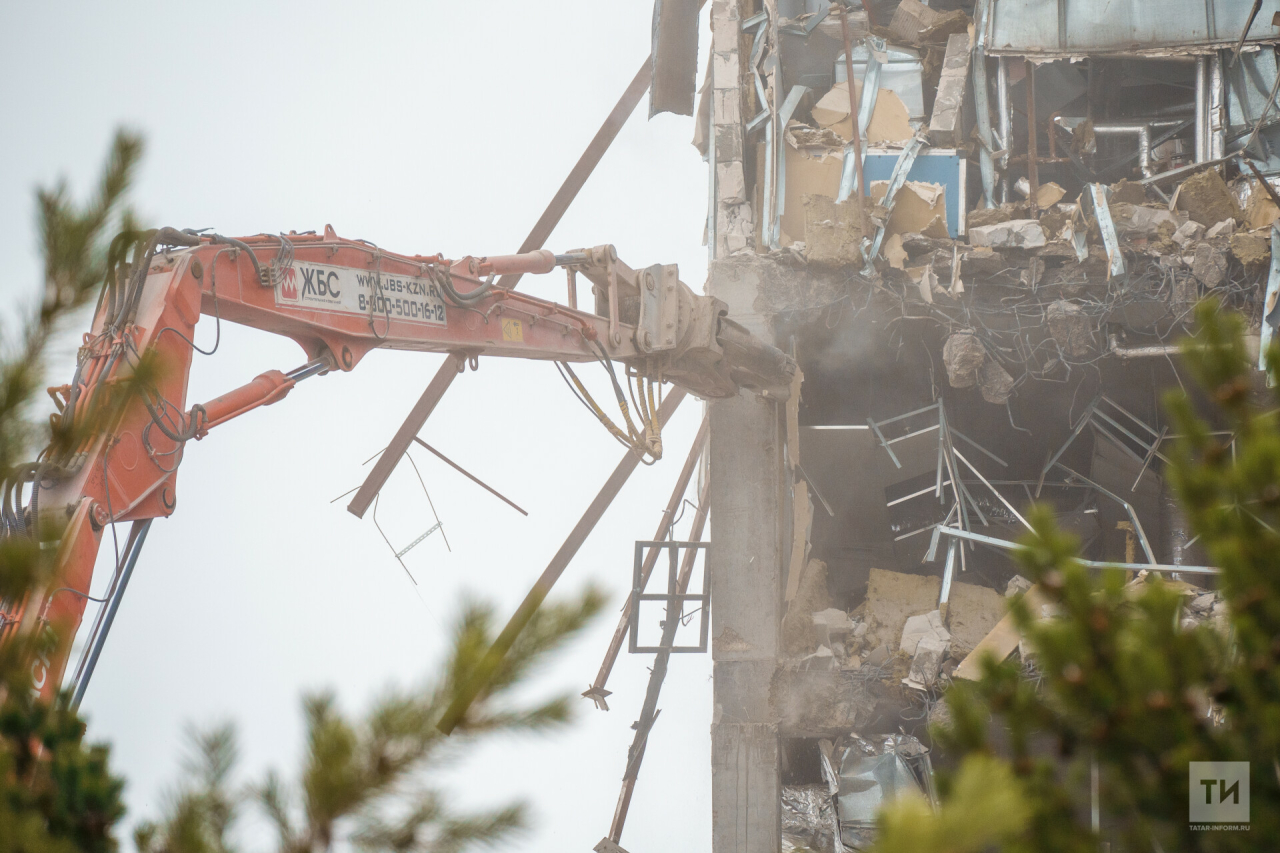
x=982 y=240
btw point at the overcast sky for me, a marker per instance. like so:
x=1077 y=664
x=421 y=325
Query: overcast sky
x=422 y=127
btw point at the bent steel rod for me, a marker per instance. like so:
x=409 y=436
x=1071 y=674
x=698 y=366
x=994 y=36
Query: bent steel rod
x=492 y=659
x=597 y=692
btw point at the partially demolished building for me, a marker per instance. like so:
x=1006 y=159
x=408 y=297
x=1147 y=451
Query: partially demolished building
x=980 y=229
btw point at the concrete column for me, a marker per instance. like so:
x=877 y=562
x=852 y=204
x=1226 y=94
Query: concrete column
x=746 y=564
x=746 y=501
x=734 y=228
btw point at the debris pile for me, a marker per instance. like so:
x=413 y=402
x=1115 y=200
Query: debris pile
x=859 y=775
x=892 y=149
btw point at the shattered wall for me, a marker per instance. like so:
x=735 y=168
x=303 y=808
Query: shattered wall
x=985 y=310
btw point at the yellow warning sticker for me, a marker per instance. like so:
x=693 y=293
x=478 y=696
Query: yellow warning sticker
x=512 y=330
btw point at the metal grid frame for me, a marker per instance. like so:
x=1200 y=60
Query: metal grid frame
x=672 y=596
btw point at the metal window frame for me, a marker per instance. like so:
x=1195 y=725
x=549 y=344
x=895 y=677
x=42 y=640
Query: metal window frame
x=672 y=596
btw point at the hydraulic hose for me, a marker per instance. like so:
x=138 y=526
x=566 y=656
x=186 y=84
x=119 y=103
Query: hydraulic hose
x=445 y=280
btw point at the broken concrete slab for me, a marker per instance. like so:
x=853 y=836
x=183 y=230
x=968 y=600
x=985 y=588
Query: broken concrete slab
x=983 y=261
x=927 y=663
x=1251 y=250
x=937 y=228
x=1014 y=234
x=832 y=237
x=946 y=124
x=1207 y=199
x=980 y=217
x=1016 y=586
x=878 y=656
x=920 y=626
x=1188 y=232
x=972 y=611
x=1128 y=192
x=1071 y=327
x=1136 y=220
x=1209 y=265
x=963 y=355
x=1225 y=228
x=916 y=24
x=833 y=619
x=1030 y=277
x=1203 y=603
x=1049 y=194
x=1260 y=210
x=892 y=598
x=994 y=382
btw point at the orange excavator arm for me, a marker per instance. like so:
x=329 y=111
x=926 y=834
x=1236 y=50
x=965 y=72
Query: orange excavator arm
x=124 y=424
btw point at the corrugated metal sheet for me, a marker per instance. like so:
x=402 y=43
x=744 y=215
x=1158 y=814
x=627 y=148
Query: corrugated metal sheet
x=1132 y=27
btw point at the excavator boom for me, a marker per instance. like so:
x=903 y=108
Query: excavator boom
x=123 y=423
